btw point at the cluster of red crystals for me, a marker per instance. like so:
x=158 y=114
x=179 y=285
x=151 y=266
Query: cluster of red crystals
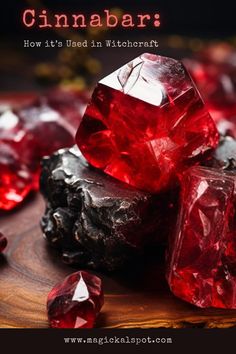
x=29 y=133
x=145 y=123
x=75 y=302
x=3 y=242
x=202 y=255
x=214 y=71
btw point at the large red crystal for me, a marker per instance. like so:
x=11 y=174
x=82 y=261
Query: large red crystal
x=146 y=122
x=75 y=302
x=202 y=255
x=3 y=242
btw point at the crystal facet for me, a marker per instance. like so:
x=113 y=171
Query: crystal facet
x=146 y=122
x=202 y=250
x=75 y=302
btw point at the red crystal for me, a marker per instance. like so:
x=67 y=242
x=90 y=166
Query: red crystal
x=146 y=122
x=75 y=302
x=71 y=104
x=29 y=133
x=217 y=86
x=3 y=242
x=214 y=71
x=45 y=131
x=225 y=118
x=202 y=255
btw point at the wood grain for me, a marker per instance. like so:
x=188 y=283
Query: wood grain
x=138 y=297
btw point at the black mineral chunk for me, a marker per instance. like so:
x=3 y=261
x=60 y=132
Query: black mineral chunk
x=94 y=220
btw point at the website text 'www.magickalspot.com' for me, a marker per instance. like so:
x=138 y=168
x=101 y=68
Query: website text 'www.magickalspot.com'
x=118 y=340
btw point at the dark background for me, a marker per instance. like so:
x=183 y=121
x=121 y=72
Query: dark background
x=198 y=20
x=209 y=17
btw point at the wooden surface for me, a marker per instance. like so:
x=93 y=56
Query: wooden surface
x=137 y=297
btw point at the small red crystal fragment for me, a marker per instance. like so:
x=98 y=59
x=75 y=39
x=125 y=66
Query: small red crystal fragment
x=146 y=122
x=75 y=302
x=3 y=242
x=202 y=255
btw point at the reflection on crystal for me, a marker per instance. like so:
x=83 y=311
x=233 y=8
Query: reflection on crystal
x=75 y=302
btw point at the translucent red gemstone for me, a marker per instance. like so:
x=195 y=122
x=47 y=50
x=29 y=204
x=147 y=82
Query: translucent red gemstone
x=3 y=242
x=202 y=254
x=145 y=123
x=75 y=302
x=217 y=84
x=29 y=133
x=45 y=131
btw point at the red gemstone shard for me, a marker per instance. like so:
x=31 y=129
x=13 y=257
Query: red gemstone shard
x=202 y=254
x=3 y=242
x=45 y=131
x=26 y=135
x=75 y=302
x=145 y=123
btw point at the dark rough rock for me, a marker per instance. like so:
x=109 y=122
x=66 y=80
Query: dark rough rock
x=94 y=220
